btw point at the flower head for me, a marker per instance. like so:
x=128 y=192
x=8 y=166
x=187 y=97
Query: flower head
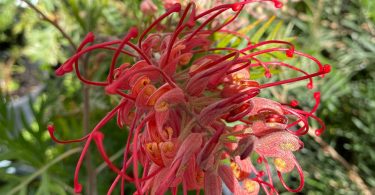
x=180 y=94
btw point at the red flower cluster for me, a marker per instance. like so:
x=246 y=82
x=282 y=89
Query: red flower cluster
x=180 y=97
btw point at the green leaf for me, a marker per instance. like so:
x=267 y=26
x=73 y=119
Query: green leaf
x=43 y=187
x=260 y=32
x=227 y=38
x=43 y=169
x=74 y=6
x=275 y=31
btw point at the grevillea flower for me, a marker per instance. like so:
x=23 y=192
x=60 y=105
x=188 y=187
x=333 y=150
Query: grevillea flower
x=180 y=96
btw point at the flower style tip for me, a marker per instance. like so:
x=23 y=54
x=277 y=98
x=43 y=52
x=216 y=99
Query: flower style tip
x=133 y=32
x=268 y=74
x=174 y=8
x=317 y=95
x=67 y=67
x=310 y=85
x=77 y=188
x=98 y=137
x=326 y=68
x=237 y=6
x=294 y=103
x=278 y=4
x=319 y=132
x=51 y=129
x=90 y=37
x=290 y=52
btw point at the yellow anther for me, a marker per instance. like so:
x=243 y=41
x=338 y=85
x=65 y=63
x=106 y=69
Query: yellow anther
x=238 y=77
x=131 y=116
x=168 y=132
x=236 y=169
x=145 y=81
x=280 y=164
x=249 y=83
x=156 y=95
x=162 y=106
x=152 y=148
x=166 y=146
x=185 y=59
x=141 y=83
x=200 y=177
x=250 y=185
x=288 y=146
x=149 y=91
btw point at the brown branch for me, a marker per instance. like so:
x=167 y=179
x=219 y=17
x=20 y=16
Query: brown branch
x=352 y=170
x=54 y=23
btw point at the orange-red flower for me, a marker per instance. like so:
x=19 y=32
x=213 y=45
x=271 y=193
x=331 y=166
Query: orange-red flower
x=180 y=97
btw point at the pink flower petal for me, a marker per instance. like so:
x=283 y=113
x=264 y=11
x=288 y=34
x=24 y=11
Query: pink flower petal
x=265 y=105
x=227 y=176
x=212 y=183
x=277 y=144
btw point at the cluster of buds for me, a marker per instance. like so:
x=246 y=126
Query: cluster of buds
x=193 y=114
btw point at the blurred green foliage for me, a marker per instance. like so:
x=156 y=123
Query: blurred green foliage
x=340 y=33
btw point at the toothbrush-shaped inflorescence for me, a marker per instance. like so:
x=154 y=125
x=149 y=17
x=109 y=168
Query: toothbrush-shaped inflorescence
x=180 y=95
